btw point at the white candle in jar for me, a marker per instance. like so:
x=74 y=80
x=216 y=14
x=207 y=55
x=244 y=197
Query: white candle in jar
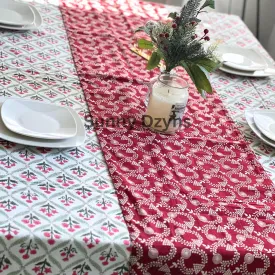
x=166 y=105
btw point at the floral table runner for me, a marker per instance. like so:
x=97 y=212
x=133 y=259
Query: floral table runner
x=198 y=201
x=59 y=212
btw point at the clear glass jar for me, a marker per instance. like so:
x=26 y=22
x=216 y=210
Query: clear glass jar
x=166 y=105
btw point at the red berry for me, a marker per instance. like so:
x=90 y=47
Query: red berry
x=174 y=26
x=193 y=23
x=207 y=38
x=161 y=35
x=206 y=31
x=33 y=251
x=166 y=35
x=26 y=256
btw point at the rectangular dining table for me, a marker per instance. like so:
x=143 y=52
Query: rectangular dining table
x=59 y=209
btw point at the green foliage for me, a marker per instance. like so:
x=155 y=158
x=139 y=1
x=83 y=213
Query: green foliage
x=177 y=44
x=153 y=61
x=172 y=15
x=209 y=3
x=145 y=44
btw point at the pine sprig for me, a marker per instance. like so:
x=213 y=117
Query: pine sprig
x=177 y=43
x=189 y=11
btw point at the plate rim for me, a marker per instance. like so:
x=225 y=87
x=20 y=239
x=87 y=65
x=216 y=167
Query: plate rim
x=4 y=119
x=35 y=25
x=76 y=141
x=15 y=3
x=253 y=127
x=261 y=128
x=245 y=73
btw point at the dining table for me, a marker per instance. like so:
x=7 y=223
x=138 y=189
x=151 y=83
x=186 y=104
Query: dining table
x=130 y=201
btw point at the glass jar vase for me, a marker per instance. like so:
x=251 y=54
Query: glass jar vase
x=166 y=105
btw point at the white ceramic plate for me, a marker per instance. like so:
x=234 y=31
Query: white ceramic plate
x=249 y=115
x=75 y=141
x=15 y=13
x=36 y=24
x=262 y=73
x=265 y=121
x=241 y=59
x=36 y=119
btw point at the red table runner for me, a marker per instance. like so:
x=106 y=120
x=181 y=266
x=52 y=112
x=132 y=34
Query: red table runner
x=197 y=202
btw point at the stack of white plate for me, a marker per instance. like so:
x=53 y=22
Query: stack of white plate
x=40 y=124
x=18 y=16
x=262 y=122
x=244 y=62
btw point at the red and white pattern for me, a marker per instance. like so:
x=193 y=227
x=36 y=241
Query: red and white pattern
x=59 y=213
x=197 y=202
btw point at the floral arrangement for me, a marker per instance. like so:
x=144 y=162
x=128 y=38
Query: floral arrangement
x=177 y=44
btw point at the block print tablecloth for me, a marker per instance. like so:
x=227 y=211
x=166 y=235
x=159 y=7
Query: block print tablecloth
x=196 y=202
x=59 y=212
x=38 y=65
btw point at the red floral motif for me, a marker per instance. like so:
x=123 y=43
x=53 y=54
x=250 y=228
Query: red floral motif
x=18 y=63
x=82 y=269
x=21 y=90
x=7 y=162
x=101 y=184
x=93 y=147
x=44 y=167
x=28 y=176
x=8 y=205
x=47 y=188
x=91 y=239
x=66 y=103
x=97 y=164
x=86 y=214
x=28 y=47
x=31 y=221
x=65 y=180
x=7 y=144
x=64 y=89
x=19 y=76
x=26 y=155
x=68 y=252
x=30 y=59
x=15 y=51
x=52 y=235
x=110 y=228
x=79 y=172
x=83 y=192
x=9 y=231
x=77 y=153
x=66 y=200
x=61 y=160
x=27 y=249
x=4 y=81
x=48 y=209
x=35 y=85
x=39 y=33
x=42 y=268
x=108 y=256
x=32 y=72
x=70 y=225
x=4 y=263
x=49 y=80
x=43 y=150
x=104 y=204
x=8 y=183
x=80 y=99
x=29 y=197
